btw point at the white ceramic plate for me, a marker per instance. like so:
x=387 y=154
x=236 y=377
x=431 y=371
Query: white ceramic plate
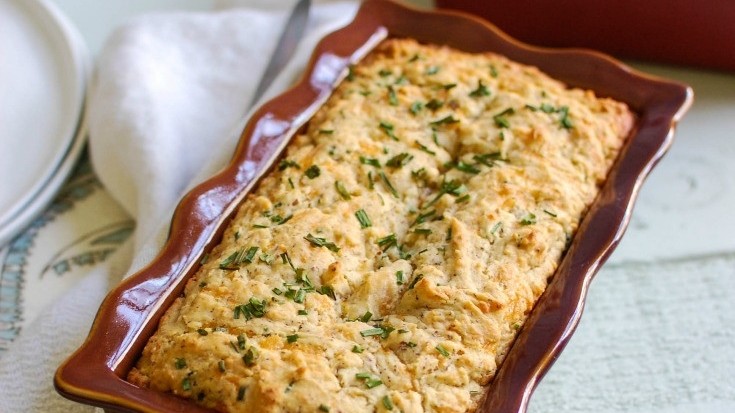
x=43 y=75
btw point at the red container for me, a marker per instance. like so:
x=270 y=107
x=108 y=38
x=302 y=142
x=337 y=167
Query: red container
x=685 y=32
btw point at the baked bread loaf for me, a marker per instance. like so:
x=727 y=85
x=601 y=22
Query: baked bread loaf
x=389 y=259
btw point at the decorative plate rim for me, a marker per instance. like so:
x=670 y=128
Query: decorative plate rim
x=95 y=373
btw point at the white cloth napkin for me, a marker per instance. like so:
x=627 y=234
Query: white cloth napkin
x=166 y=108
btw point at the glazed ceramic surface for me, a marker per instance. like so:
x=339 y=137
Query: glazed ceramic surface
x=95 y=373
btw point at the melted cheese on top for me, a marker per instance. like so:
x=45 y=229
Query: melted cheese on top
x=389 y=260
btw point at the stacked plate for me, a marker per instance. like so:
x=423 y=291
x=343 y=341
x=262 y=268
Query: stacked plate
x=43 y=75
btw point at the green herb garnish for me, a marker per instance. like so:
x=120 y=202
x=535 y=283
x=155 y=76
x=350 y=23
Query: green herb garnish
x=416 y=107
x=180 y=363
x=501 y=119
x=447 y=120
x=285 y=164
x=342 y=191
x=442 y=350
x=387 y=241
x=392 y=97
x=528 y=219
x=370 y=161
x=321 y=242
x=292 y=338
x=363 y=219
x=390 y=186
x=313 y=172
x=434 y=104
x=481 y=90
x=399 y=160
x=425 y=148
x=387 y=402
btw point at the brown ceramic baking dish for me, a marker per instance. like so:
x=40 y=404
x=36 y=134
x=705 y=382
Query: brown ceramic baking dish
x=95 y=373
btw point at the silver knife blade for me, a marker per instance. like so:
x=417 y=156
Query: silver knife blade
x=285 y=47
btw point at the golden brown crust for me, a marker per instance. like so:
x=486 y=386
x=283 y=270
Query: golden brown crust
x=391 y=257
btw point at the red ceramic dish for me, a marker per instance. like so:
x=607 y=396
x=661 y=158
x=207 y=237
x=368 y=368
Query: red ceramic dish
x=95 y=373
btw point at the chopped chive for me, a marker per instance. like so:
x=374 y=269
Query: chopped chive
x=425 y=148
x=357 y=349
x=370 y=383
x=413 y=58
x=448 y=86
x=302 y=312
x=324 y=408
x=186 y=384
x=277 y=291
x=488 y=159
x=313 y=172
x=415 y=281
x=493 y=71
x=447 y=120
x=392 y=97
x=250 y=254
x=546 y=108
x=204 y=259
x=241 y=393
x=290 y=183
x=399 y=160
x=363 y=376
x=449 y=234
x=363 y=219
x=434 y=104
x=370 y=161
x=463 y=198
x=221 y=365
x=422 y=217
x=241 y=341
x=328 y=290
x=292 y=338
x=285 y=163
x=326 y=131
x=564 y=121
x=180 y=363
x=351 y=72
x=400 y=278
x=481 y=90
x=442 y=350
x=390 y=186
x=432 y=70
x=366 y=317
x=300 y=296
x=550 y=213
x=250 y=356
x=501 y=120
x=321 y=242
x=387 y=403
x=416 y=107
x=388 y=129
x=423 y=231
x=342 y=191
x=253 y=309
x=387 y=241
x=528 y=219
x=372 y=332
x=260 y=226
x=384 y=72
x=202 y=332
x=465 y=167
